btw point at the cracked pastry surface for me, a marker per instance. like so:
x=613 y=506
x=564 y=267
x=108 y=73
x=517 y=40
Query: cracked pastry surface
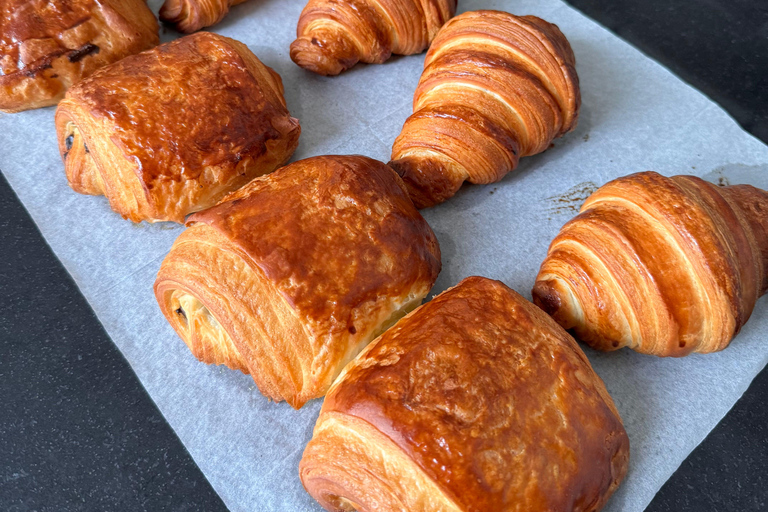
x=48 y=45
x=475 y=401
x=334 y=35
x=291 y=276
x=664 y=266
x=171 y=130
x=495 y=87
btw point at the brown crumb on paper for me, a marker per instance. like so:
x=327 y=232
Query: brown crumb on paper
x=571 y=200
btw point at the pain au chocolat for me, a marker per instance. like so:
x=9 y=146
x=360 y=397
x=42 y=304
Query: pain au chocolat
x=477 y=401
x=172 y=130
x=48 y=45
x=664 y=266
x=495 y=87
x=288 y=278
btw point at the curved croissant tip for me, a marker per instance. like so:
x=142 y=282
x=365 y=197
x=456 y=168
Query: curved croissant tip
x=399 y=166
x=407 y=169
x=323 y=58
x=546 y=297
x=187 y=17
x=430 y=181
x=171 y=13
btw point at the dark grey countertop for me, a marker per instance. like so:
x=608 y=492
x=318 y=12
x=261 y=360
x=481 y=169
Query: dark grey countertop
x=78 y=431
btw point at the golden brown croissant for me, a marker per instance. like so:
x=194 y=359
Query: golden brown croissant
x=191 y=15
x=333 y=35
x=291 y=276
x=476 y=401
x=48 y=45
x=664 y=266
x=172 y=130
x=495 y=87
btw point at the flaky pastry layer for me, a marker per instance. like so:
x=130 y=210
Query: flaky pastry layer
x=475 y=401
x=664 y=266
x=189 y=16
x=495 y=87
x=170 y=131
x=349 y=459
x=334 y=35
x=288 y=278
x=48 y=45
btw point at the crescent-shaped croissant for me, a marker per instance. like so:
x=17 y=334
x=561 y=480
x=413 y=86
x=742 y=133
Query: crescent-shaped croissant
x=288 y=278
x=475 y=402
x=189 y=16
x=495 y=87
x=334 y=35
x=664 y=266
x=170 y=131
x=48 y=45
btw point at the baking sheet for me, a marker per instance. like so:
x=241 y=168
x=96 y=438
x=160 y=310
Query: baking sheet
x=636 y=116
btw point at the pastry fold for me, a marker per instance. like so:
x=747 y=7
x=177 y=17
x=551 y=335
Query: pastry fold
x=48 y=45
x=476 y=401
x=495 y=87
x=170 y=131
x=334 y=35
x=189 y=16
x=288 y=278
x=664 y=266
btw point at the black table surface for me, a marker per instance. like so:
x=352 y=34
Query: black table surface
x=78 y=431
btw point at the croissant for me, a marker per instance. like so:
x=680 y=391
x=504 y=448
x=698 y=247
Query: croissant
x=495 y=87
x=476 y=401
x=172 y=130
x=48 y=45
x=189 y=16
x=664 y=266
x=288 y=278
x=334 y=35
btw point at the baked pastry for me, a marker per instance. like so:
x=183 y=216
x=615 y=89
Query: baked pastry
x=288 y=278
x=476 y=401
x=48 y=45
x=664 y=266
x=189 y=16
x=495 y=87
x=334 y=35
x=172 y=130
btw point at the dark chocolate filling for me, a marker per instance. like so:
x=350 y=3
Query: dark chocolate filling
x=83 y=51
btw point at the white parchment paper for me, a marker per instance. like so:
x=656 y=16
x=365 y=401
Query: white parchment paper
x=636 y=116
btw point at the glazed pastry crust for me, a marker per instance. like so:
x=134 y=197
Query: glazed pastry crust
x=170 y=131
x=495 y=87
x=480 y=396
x=665 y=266
x=334 y=35
x=353 y=458
x=300 y=270
x=189 y=16
x=46 y=46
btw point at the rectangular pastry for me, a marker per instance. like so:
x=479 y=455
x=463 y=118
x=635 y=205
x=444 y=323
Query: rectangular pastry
x=48 y=45
x=477 y=401
x=288 y=278
x=170 y=131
